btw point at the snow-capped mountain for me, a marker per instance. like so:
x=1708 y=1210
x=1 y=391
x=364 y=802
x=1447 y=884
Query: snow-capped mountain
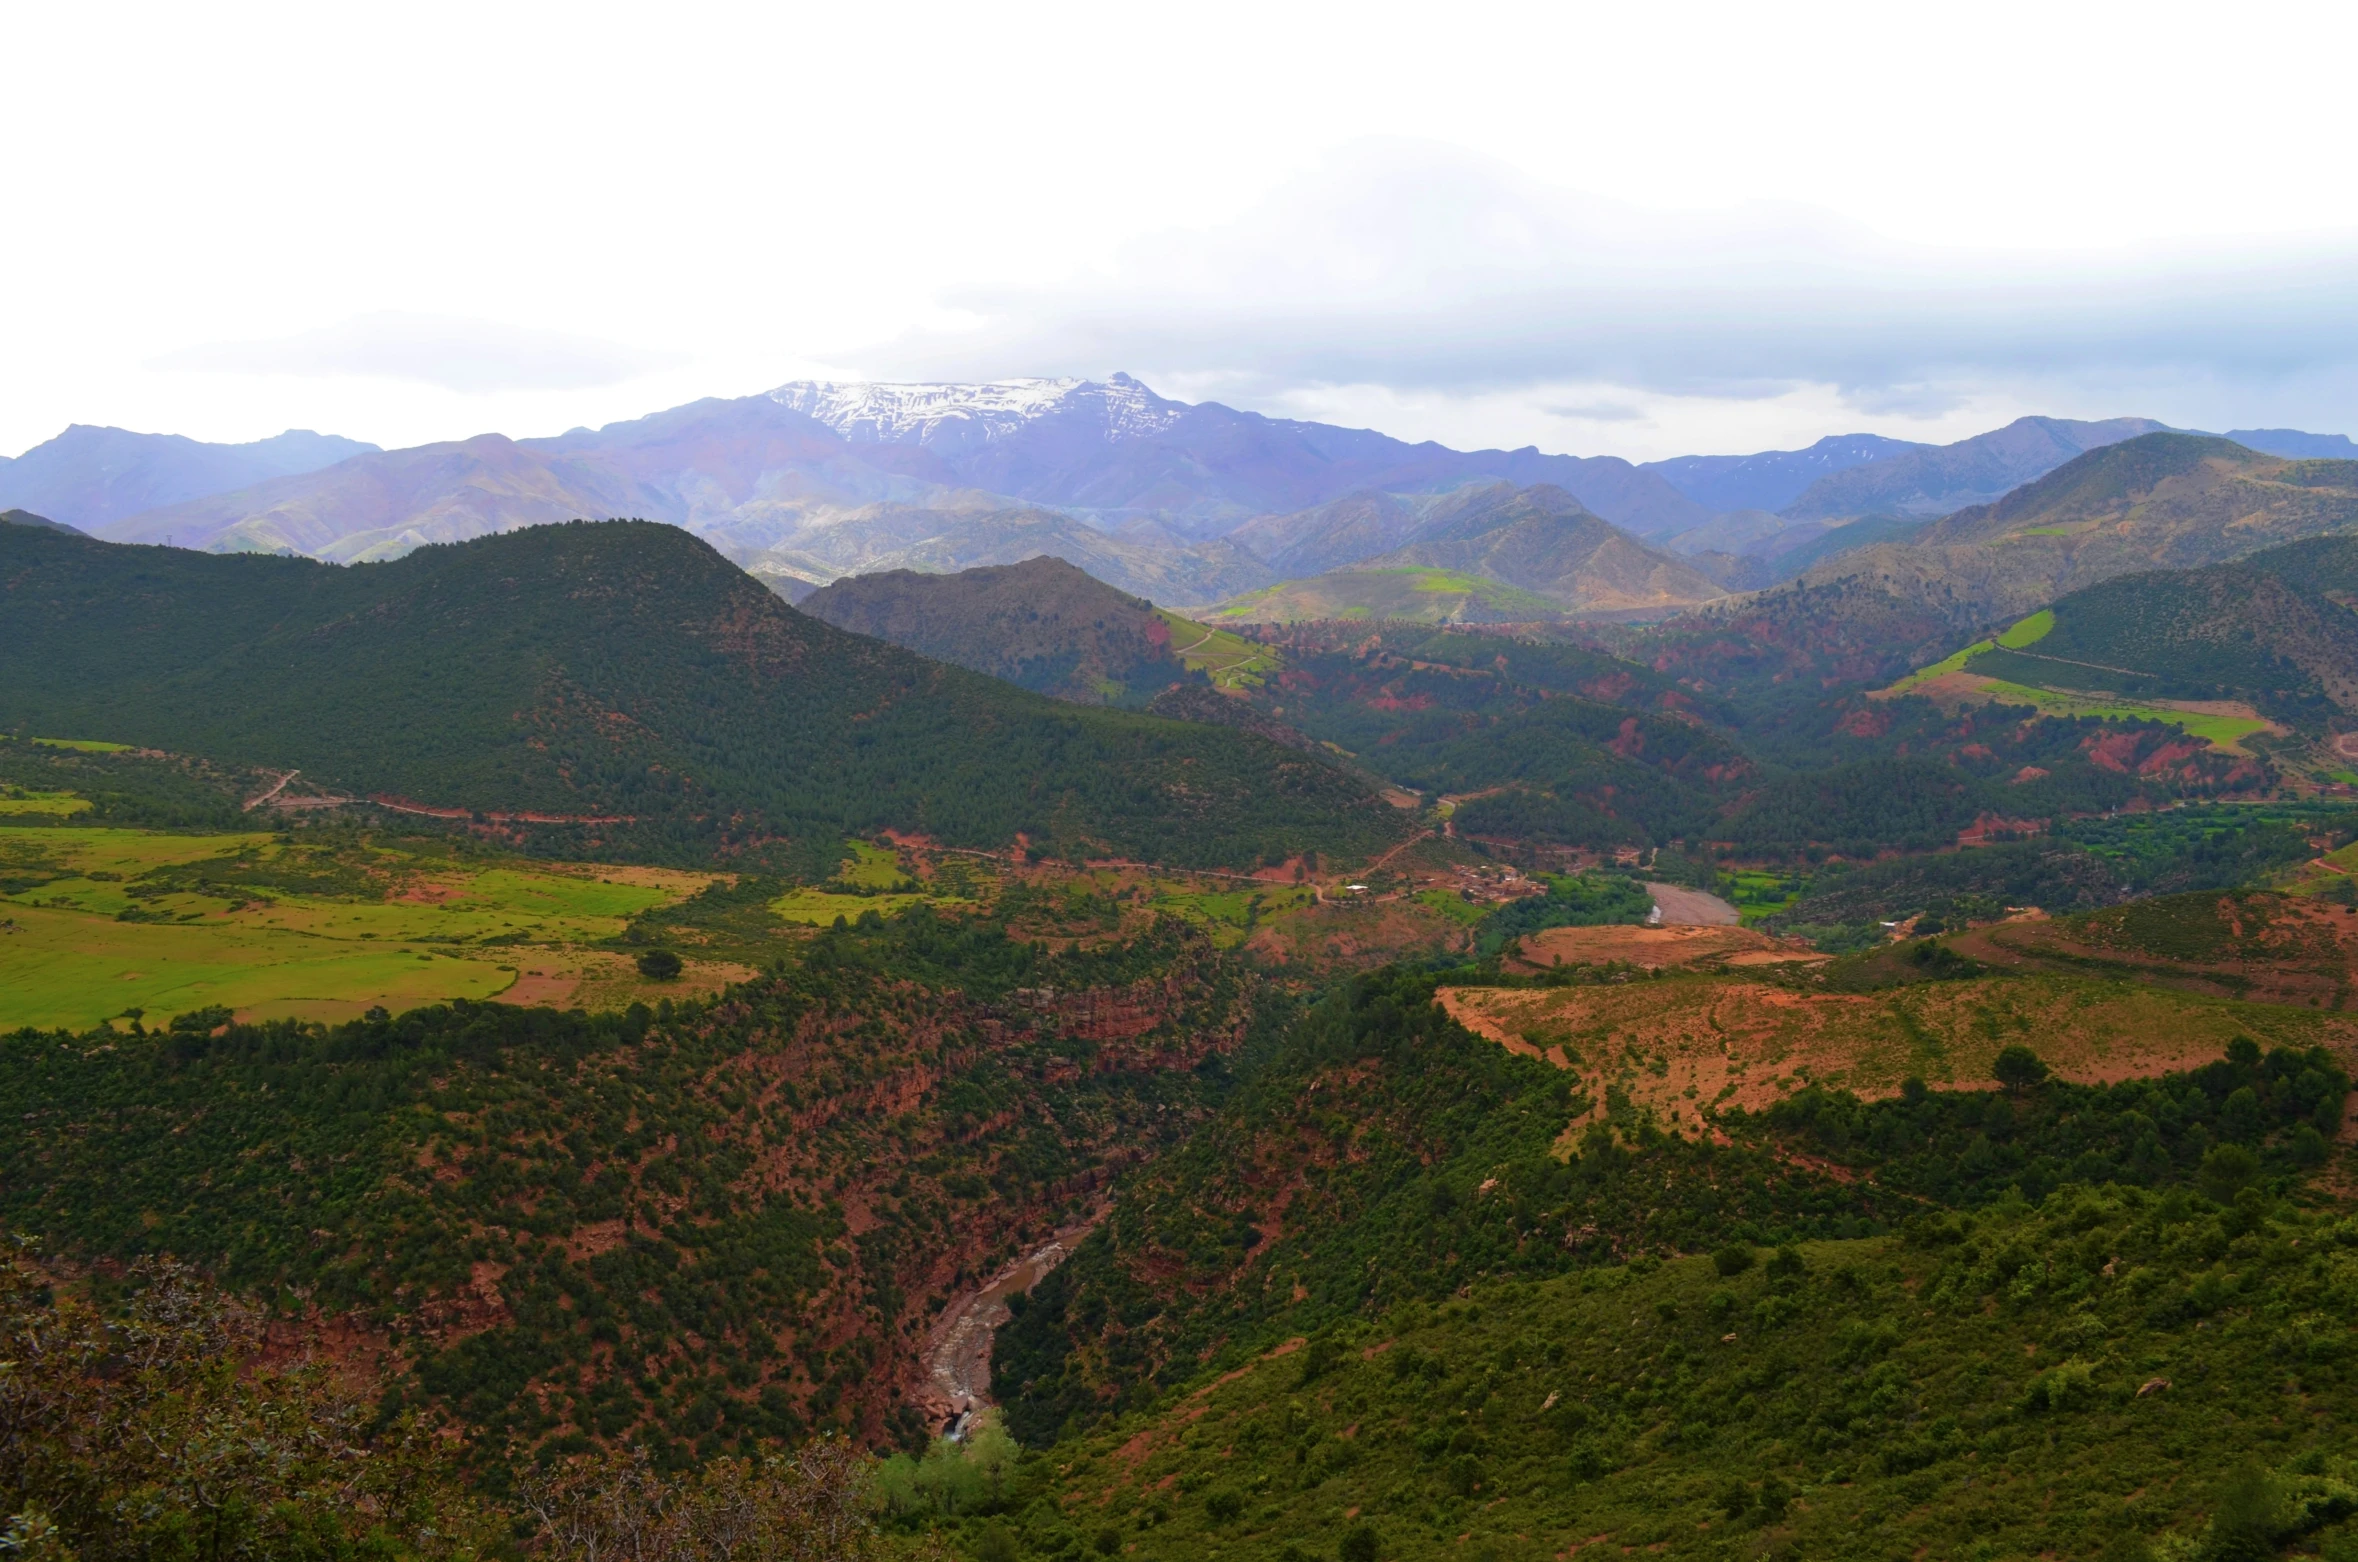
x=816 y=476
x=959 y=415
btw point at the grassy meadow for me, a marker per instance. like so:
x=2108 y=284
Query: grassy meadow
x=98 y=923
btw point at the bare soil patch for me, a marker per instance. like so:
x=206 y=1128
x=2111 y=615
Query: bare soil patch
x=1656 y=948
x=577 y=979
x=1681 y=907
x=1682 y=1046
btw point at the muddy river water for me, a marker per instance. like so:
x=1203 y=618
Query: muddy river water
x=958 y=1350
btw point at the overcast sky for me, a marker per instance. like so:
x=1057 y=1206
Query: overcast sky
x=1636 y=230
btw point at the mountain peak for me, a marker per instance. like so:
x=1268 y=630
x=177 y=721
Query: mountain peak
x=868 y=412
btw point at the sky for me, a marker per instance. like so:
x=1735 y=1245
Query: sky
x=1600 y=229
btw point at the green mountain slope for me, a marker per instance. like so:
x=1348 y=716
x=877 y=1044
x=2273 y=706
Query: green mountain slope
x=1490 y=554
x=1542 y=540
x=634 y=689
x=1367 y=1294
x=1042 y=624
x=43 y=522
x=2272 y=632
x=2162 y=501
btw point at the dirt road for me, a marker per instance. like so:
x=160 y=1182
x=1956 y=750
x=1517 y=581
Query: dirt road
x=1691 y=907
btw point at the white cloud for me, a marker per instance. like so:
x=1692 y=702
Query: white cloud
x=1425 y=267
x=469 y=356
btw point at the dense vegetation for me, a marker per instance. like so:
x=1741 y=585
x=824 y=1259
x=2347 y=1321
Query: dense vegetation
x=1572 y=900
x=2082 y=865
x=2110 y=1374
x=129 y=789
x=1378 y=1153
x=1041 y=624
x=155 y=1427
x=634 y=689
x=707 y=1226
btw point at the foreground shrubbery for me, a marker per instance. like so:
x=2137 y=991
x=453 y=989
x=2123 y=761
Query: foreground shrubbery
x=2115 y=1372
x=161 y=1429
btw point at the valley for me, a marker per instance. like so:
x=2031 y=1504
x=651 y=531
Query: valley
x=1482 y=1031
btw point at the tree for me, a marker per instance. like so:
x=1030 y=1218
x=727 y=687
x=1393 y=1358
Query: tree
x=1362 y=1544
x=659 y=965
x=1733 y=1259
x=2019 y=1069
x=2226 y=1171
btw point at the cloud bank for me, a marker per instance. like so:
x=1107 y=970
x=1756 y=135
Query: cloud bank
x=469 y=356
x=1422 y=268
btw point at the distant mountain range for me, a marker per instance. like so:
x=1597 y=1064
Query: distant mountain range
x=88 y=477
x=1773 y=479
x=2161 y=500
x=1941 y=479
x=1185 y=504
x=803 y=468
x=2292 y=442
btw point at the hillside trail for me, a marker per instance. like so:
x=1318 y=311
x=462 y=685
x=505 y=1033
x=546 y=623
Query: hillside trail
x=1201 y=641
x=958 y=1349
x=1385 y=860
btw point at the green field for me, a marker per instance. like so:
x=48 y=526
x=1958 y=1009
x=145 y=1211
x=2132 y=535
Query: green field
x=2226 y=732
x=17 y=800
x=820 y=908
x=872 y=867
x=1430 y=596
x=1230 y=916
x=2223 y=731
x=1230 y=661
x=1450 y=904
x=2030 y=631
x=85 y=745
x=1954 y=662
x=1757 y=896
x=99 y=922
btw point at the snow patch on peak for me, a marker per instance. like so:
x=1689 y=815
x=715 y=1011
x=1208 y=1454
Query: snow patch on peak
x=868 y=413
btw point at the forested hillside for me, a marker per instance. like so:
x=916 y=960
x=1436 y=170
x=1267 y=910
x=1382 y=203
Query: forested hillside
x=621 y=688
x=1042 y=624
x=702 y=1225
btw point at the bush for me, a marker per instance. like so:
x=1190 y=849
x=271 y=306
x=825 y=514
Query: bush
x=660 y=965
x=1361 y=1545
x=1733 y=1259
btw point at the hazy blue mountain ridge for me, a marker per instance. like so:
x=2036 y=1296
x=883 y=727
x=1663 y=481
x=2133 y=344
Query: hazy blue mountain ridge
x=88 y=475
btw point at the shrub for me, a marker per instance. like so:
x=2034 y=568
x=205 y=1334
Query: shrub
x=1733 y=1259
x=1361 y=1545
x=660 y=965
